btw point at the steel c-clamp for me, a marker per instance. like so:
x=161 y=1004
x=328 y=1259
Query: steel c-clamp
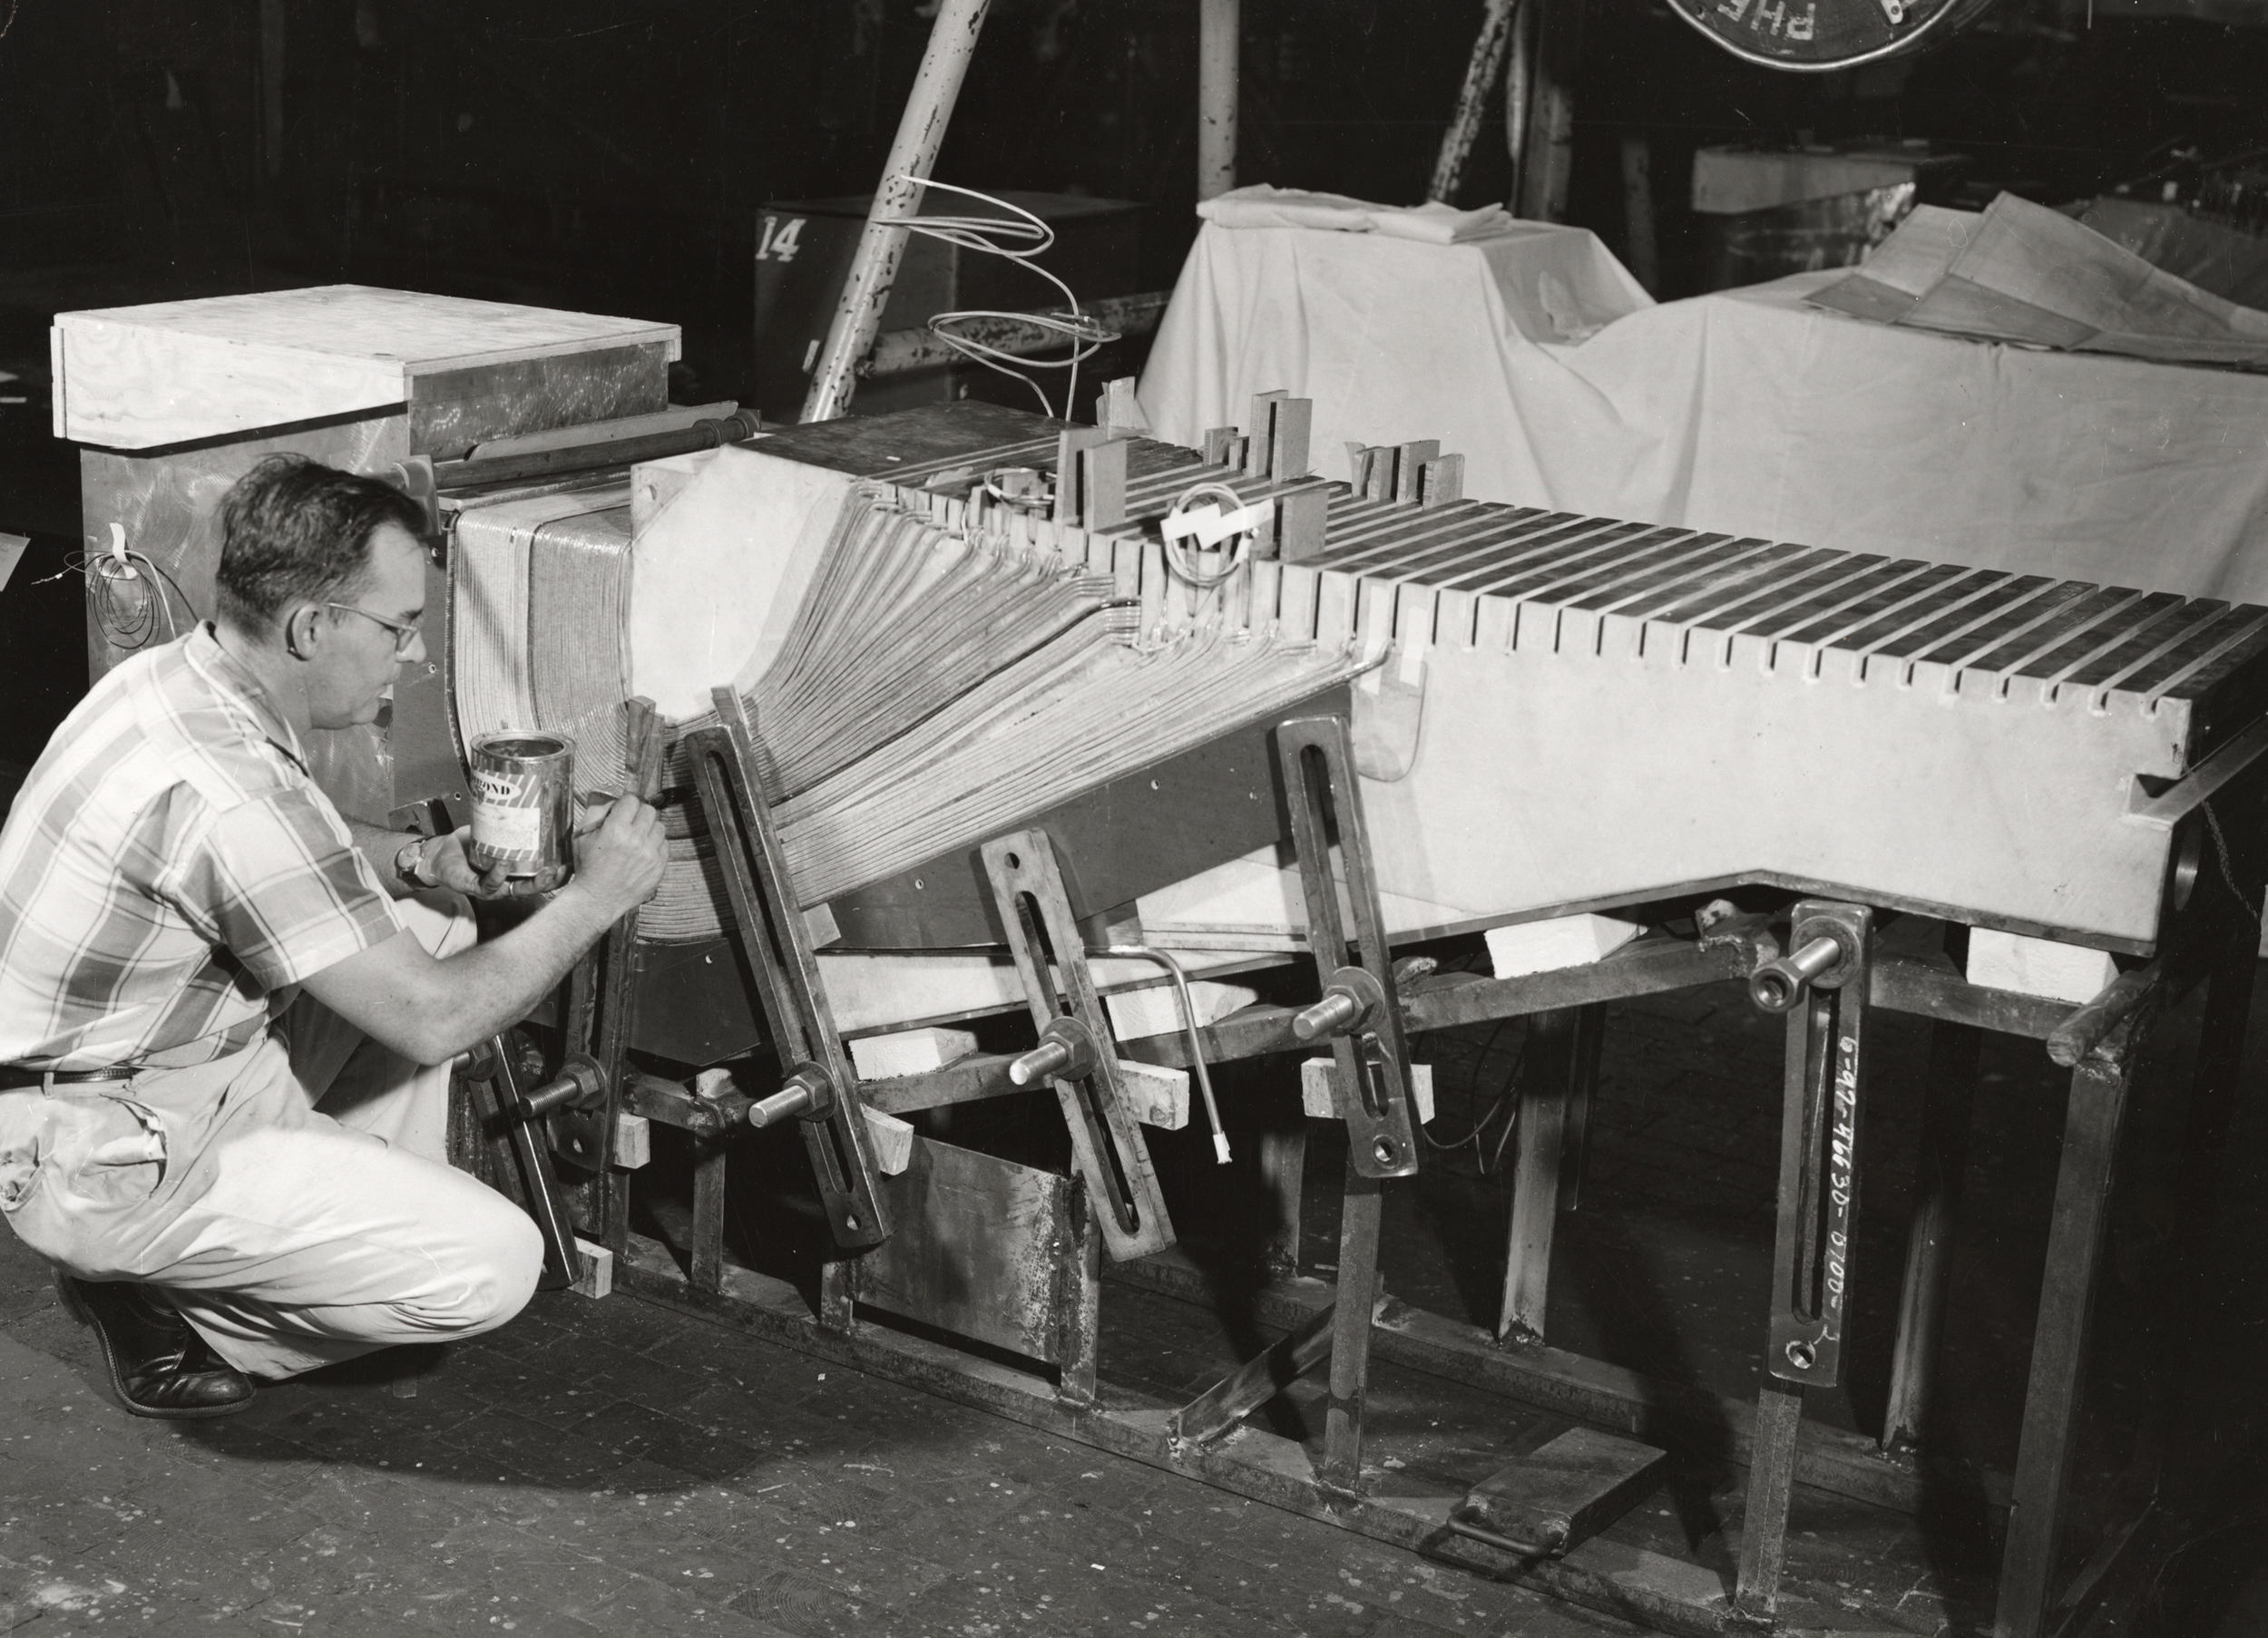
x=1075 y=1052
x=1359 y=1012
x=817 y=1084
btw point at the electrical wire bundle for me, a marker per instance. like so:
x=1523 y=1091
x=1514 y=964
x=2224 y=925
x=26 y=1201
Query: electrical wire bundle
x=129 y=597
x=1019 y=241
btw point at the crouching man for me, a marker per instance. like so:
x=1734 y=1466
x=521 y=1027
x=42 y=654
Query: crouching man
x=227 y=1013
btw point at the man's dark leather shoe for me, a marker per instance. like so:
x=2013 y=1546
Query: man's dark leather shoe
x=159 y=1364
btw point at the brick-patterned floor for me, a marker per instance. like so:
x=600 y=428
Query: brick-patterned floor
x=613 y=1468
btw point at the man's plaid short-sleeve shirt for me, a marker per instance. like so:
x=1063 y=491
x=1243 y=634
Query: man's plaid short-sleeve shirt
x=167 y=869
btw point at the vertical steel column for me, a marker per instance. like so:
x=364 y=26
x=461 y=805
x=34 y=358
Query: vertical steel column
x=912 y=154
x=1218 y=22
x=1488 y=60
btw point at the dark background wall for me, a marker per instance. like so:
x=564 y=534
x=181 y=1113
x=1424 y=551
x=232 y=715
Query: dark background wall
x=586 y=154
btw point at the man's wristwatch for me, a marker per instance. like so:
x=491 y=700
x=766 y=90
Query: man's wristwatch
x=409 y=864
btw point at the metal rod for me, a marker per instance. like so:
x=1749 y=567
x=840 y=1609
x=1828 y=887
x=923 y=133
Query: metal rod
x=912 y=155
x=1777 y=986
x=1041 y=1063
x=1488 y=60
x=591 y=457
x=1219 y=22
x=1328 y=1016
x=1189 y=1033
x=2078 y=1034
x=1502 y=1543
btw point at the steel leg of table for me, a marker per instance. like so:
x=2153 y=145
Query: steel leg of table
x=2094 y=1125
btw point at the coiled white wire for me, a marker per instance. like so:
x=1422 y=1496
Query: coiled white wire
x=1177 y=556
x=128 y=621
x=1020 y=241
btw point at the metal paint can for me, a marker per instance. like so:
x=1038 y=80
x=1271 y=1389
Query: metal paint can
x=524 y=807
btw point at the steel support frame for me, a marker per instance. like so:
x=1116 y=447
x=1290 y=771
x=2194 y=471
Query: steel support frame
x=2209 y=943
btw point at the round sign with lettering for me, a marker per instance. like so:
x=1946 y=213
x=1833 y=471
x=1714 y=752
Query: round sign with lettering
x=1816 y=36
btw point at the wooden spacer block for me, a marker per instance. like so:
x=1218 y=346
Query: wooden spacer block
x=1442 y=480
x=893 y=1142
x=1315 y=1088
x=1117 y=412
x=2063 y=972
x=1291 y=425
x=1161 y=1095
x=1102 y=484
x=1135 y=1013
x=1070 y=470
x=1565 y=1492
x=598 y=1269
x=1408 y=459
x=1260 y=431
x=909 y=1052
x=1219 y=444
x=633 y=1141
x=1377 y=478
x=1527 y=947
x=1301 y=516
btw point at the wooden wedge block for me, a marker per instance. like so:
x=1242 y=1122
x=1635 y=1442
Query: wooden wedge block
x=909 y=1052
x=1160 y=1095
x=1135 y=1013
x=893 y=1142
x=2064 y=972
x=598 y=1270
x=1529 y=947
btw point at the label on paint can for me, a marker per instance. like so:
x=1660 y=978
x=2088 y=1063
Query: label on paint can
x=505 y=818
x=523 y=806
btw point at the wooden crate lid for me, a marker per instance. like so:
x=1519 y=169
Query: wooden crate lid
x=173 y=372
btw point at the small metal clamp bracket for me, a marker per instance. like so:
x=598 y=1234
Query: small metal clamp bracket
x=1076 y=1051
x=818 y=1085
x=1824 y=981
x=1360 y=1012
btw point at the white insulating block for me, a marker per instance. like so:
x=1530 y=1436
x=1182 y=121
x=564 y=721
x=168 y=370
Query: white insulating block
x=1529 y=947
x=598 y=1269
x=1161 y=1095
x=1315 y=1088
x=633 y=1141
x=2063 y=972
x=1157 y=1010
x=893 y=1142
x=909 y=1052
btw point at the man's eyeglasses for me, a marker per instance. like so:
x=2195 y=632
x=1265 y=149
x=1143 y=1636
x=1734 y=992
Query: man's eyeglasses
x=405 y=636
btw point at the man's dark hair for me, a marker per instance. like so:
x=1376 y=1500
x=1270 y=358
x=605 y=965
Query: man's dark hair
x=293 y=530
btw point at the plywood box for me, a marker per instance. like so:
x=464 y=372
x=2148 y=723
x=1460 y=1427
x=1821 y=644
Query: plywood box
x=179 y=399
x=177 y=372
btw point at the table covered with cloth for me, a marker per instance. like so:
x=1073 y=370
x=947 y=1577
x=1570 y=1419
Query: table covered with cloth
x=1532 y=352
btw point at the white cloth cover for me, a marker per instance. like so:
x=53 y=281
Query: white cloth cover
x=1747 y=411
